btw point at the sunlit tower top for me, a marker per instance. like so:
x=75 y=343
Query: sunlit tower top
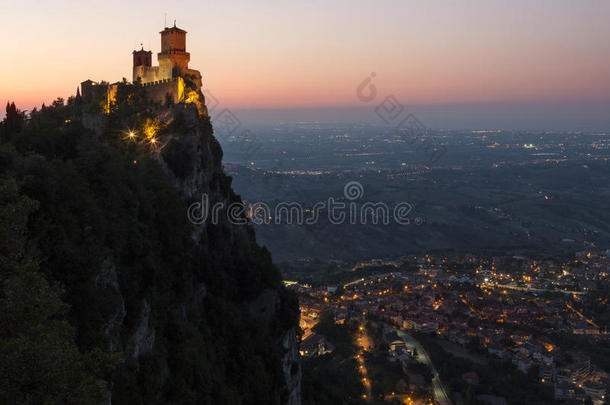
x=173 y=58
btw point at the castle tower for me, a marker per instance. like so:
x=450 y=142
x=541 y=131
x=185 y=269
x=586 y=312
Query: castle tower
x=142 y=63
x=172 y=80
x=173 y=58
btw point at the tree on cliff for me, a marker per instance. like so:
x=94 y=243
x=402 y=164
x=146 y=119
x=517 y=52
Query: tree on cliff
x=39 y=361
x=13 y=122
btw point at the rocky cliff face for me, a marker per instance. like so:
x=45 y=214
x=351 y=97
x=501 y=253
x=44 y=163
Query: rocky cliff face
x=148 y=325
x=191 y=157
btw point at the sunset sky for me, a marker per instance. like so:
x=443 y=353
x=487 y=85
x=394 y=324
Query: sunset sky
x=280 y=54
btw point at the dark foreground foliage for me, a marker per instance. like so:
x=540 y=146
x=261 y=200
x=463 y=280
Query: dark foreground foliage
x=89 y=224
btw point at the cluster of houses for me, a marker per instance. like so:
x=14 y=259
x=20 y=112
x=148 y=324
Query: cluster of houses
x=488 y=310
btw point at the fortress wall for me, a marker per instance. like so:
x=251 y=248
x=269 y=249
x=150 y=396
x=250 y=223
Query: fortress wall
x=157 y=91
x=148 y=74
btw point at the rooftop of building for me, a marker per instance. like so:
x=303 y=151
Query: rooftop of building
x=172 y=29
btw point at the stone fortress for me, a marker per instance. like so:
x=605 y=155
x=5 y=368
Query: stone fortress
x=170 y=82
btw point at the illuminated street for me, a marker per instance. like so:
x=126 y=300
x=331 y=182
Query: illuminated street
x=422 y=356
x=364 y=343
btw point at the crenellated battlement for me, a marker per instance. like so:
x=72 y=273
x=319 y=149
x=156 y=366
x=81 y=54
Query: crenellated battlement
x=149 y=84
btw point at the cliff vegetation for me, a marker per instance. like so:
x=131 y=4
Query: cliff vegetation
x=108 y=294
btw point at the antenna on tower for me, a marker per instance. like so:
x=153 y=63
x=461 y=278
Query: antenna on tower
x=165 y=23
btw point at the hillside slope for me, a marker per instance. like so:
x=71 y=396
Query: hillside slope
x=194 y=313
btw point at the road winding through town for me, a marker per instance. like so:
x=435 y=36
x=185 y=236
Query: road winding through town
x=440 y=395
x=364 y=343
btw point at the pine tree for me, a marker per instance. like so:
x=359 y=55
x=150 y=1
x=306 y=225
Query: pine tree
x=13 y=122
